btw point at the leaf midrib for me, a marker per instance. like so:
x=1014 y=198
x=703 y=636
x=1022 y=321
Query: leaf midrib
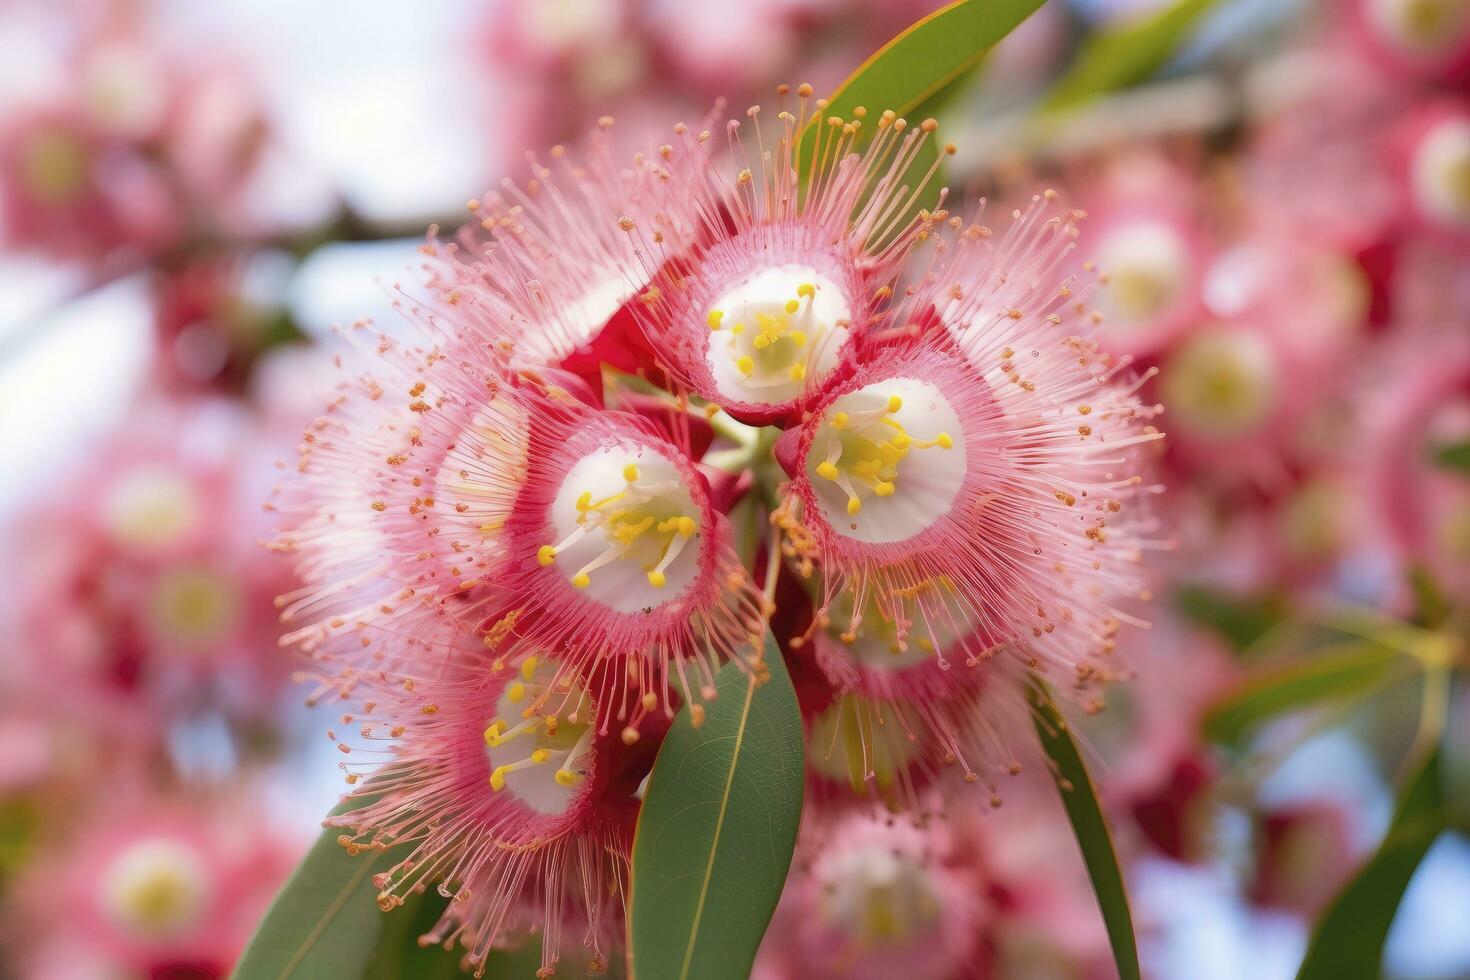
x=709 y=868
x=305 y=948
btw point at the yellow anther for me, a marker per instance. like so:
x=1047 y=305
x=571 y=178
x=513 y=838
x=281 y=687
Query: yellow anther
x=566 y=778
x=738 y=329
x=854 y=505
x=826 y=470
x=798 y=338
x=630 y=473
x=806 y=289
x=516 y=693
x=798 y=371
x=792 y=305
x=714 y=318
x=894 y=404
x=761 y=341
x=539 y=756
x=944 y=441
x=657 y=579
x=884 y=489
x=493 y=733
x=581 y=580
x=745 y=365
x=839 y=420
x=584 y=501
x=546 y=554
x=687 y=526
x=497 y=779
x=900 y=442
x=528 y=669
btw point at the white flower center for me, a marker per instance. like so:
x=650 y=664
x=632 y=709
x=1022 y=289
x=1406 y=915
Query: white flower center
x=1222 y=383
x=538 y=740
x=1421 y=26
x=1442 y=171
x=771 y=333
x=861 y=462
x=880 y=896
x=194 y=606
x=156 y=888
x=556 y=26
x=124 y=89
x=152 y=508
x=1145 y=265
x=626 y=525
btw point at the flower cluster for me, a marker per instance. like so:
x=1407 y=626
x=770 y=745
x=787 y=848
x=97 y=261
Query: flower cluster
x=654 y=408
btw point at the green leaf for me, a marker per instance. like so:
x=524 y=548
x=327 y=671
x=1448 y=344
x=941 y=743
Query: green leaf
x=913 y=73
x=1453 y=455
x=1090 y=827
x=1241 y=620
x=1348 y=940
x=326 y=925
x=1331 y=674
x=717 y=830
x=1124 y=54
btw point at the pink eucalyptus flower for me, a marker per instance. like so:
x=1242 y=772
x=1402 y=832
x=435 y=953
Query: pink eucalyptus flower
x=975 y=477
x=499 y=781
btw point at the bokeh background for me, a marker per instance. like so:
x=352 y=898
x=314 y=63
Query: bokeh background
x=193 y=194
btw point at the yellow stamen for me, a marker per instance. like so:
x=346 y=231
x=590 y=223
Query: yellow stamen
x=714 y=318
x=546 y=554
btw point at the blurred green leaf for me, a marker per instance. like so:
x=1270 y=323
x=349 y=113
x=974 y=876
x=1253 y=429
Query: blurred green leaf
x=1348 y=940
x=1090 y=827
x=1330 y=674
x=717 y=830
x=1453 y=456
x=1124 y=54
x=1241 y=620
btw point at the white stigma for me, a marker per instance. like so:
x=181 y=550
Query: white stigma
x=536 y=743
x=627 y=529
x=156 y=888
x=775 y=332
x=1146 y=267
x=153 y=508
x=864 y=461
x=1441 y=172
x=1222 y=383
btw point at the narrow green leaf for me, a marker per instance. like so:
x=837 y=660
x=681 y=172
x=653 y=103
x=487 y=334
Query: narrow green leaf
x=914 y=73
x=929 y=56
x=1453 y=455
x=1124 y=54
x=716 y=832
x=1079 y=797
x=326 y=925
x=1331 y=674
x=325 y=922
x=1348 y=940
